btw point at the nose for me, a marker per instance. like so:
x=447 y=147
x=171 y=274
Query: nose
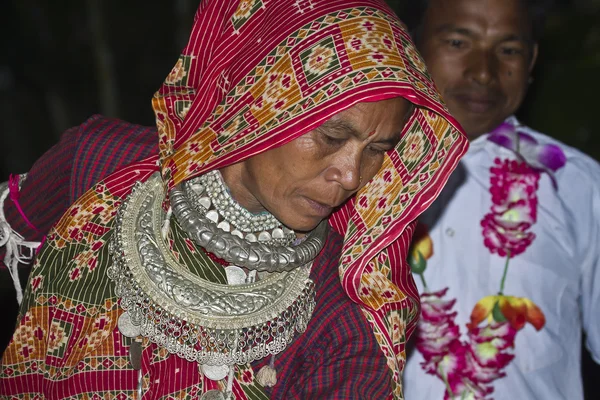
x=346 y=170
x=482 y=67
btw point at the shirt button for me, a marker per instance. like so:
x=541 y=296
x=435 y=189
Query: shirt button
x=450 y=232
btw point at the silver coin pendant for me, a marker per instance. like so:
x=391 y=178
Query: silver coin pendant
x=126 y=327
x=214 y=372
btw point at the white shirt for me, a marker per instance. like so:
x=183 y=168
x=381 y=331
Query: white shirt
x=560 y=272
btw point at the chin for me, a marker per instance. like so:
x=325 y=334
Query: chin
x=477 y=129
x=303 y=226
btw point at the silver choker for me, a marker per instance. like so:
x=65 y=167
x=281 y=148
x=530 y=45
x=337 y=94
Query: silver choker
x=210 y=196
x=213 y=324
x=231 y=248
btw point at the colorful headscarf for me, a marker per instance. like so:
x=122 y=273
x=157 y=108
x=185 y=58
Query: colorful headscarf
x=257 y=74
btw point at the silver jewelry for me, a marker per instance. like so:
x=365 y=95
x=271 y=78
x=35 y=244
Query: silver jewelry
x=126 y=327
x=215 y=372
x=243 y=219
x=213 y=394
x=233 y=249
x=210 y=197
x=213 y=324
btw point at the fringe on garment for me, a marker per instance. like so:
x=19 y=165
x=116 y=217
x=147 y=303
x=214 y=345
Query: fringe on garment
x=18 y=250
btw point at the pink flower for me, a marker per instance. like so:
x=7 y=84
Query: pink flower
x=450 y=365
x=514 y=208
x=499 y=238
x=438 y=338
x=502 y=334
x=490 y=351
x=435 y=308
x=466 y=389
x=437 y=329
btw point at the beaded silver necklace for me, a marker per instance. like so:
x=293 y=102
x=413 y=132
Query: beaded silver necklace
x=209 y=195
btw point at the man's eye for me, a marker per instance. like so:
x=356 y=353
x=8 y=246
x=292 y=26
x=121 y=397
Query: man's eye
x=511 y=51
x=456 y=43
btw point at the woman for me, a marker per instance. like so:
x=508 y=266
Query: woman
x=260 y=253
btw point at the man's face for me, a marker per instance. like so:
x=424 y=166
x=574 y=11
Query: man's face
x=480 y=55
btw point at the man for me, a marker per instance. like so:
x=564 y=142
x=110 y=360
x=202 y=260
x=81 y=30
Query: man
x=481 y=54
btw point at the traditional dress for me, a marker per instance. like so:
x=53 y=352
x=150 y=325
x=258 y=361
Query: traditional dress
x=244 y=84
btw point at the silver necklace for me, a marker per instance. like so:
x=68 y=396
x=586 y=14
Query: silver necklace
x=210 y=196
x=212 y=324
x=209 y=192
x=232 y=248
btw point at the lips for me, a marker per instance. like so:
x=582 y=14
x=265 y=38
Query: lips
x=477 y=103
x=319 y=209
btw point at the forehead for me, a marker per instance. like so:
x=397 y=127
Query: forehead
x=385 y=116
x=478 y=17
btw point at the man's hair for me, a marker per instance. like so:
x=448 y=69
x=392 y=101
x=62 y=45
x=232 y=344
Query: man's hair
x=413 y=14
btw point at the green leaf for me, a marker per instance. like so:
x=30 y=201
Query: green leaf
x=418 y=264
x=497 y=313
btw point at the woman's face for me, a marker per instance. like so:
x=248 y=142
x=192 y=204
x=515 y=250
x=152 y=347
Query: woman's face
x=301 y=182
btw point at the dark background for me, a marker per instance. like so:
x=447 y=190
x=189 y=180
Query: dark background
x=65 y=60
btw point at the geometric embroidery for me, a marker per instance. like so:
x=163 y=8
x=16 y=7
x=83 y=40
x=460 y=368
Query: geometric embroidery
x=244 y=11
x=320 y=60
x=413 y=57
x=181 y=108
x=58 y=337
x=278 y=102
x=235 y=125
x=179 y=74
x=414 y=147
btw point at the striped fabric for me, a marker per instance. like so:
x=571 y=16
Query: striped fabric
x=84 y=155
x=338 y=356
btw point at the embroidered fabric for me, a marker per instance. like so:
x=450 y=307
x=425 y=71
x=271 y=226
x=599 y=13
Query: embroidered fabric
x=18 y=250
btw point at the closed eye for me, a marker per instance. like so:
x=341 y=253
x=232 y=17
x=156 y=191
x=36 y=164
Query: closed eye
x=378 y=149
x=332 y=140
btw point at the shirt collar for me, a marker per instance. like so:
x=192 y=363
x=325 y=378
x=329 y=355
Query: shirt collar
x=481 y=142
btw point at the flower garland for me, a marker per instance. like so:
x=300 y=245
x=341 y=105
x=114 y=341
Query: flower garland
x=469 y=367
